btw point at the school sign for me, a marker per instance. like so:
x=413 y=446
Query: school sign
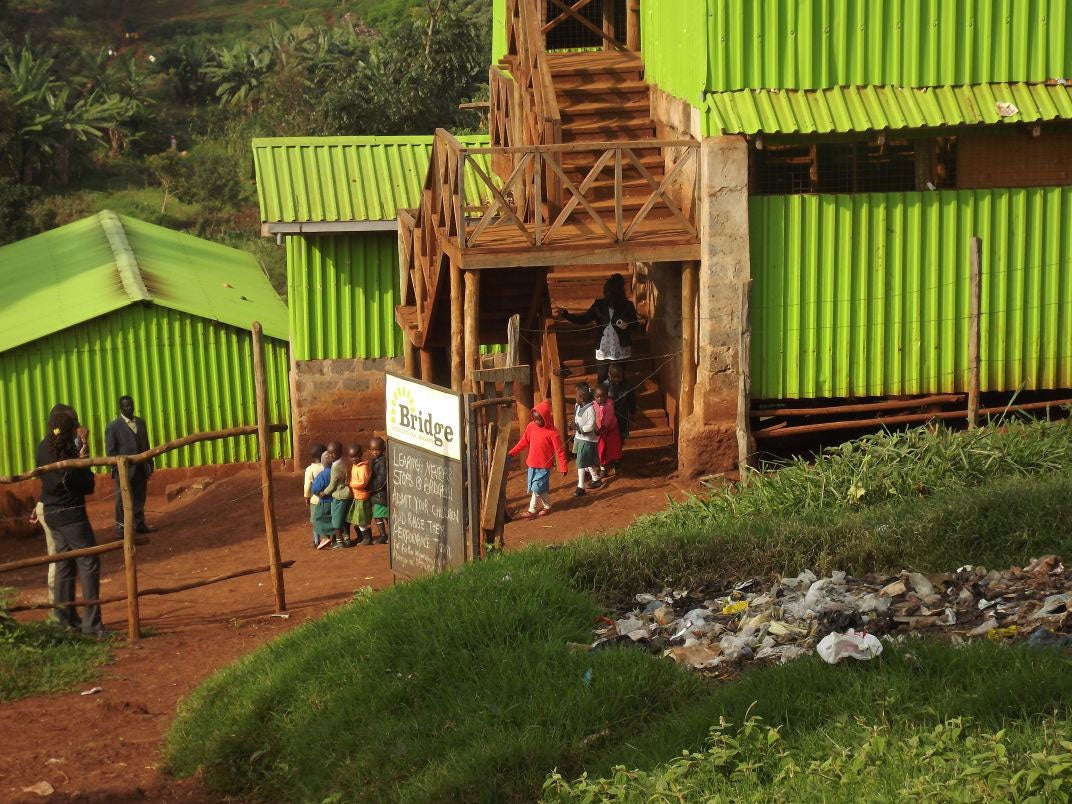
x=427 y=483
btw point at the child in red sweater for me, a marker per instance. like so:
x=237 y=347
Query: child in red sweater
x=545 y=449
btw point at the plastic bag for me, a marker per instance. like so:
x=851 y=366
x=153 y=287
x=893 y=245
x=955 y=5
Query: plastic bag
x=857 y=645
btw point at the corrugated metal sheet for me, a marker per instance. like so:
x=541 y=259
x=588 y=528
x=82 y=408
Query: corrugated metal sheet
x=187 y=375
x=330 y=179
x=867 y=295
x=498 y=30
x=95 y=266
x=674 y=42
x=848 y=109
x=342 y=291
x=812 y=44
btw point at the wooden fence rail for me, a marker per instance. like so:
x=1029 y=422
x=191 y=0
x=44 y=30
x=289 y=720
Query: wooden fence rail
x=130 y=542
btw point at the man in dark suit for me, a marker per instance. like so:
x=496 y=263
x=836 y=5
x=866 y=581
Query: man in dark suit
x=128 y=435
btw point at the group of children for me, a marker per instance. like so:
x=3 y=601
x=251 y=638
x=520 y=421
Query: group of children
x=347 y=489
x=601 y=422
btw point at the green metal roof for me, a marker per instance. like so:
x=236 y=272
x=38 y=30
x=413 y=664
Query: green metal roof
x=106 y=262
x=878 y=108
x=336 y=179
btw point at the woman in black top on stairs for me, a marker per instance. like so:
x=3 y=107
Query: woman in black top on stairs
x=615 y=317
x=63 y=493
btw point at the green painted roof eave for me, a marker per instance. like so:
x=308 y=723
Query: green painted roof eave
x=84 y=270
x=349 y=179
x=844 y=110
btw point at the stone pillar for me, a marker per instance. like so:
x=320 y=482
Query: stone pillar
x=708 y=440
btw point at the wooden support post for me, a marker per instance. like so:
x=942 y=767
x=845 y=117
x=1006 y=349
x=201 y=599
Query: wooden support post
x=975 y=305
x=409 y=357
x=457 y=332
x=427 y=366
x=744 y=383
x=558 y=402
x=632 y=25
x=130 y=550
x=472 y=479
x=690 y=275
x=472 y=323
x=609 y=36
x=264 y=449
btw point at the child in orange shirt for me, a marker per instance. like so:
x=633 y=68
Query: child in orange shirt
x=361 y=511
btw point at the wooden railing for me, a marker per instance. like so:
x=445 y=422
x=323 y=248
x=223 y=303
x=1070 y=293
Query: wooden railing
x=571 y=10
x=524 y=199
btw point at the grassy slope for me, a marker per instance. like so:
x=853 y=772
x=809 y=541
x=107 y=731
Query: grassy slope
x=464 y=686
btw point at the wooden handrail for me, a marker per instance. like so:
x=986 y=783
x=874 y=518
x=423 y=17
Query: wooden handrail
x=579 y=147
x=54 y=558
x=141 y=457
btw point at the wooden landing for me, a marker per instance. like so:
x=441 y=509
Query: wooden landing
x=580 y=243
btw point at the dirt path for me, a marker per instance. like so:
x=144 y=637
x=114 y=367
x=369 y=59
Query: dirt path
x=106 y=747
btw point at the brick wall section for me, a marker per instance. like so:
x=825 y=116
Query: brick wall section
x=339 y=400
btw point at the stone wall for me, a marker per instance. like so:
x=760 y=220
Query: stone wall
x=338 y=400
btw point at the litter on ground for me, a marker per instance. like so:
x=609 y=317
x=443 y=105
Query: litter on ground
x=717 y=628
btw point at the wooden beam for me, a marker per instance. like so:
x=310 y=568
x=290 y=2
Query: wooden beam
x=519 y=374
x=974 y=304
x=55 y=558
x=632 y=25
x=427 y=366
x=472 y=324
x=457 y=331
x=586 y=254
x=130 y=554
x=690 y=275
x=264 y=450
x=409 y=357
x=609 y=24
x=497 y=471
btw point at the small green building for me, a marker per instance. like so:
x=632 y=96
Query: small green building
x=111 y=305
x=334 y=202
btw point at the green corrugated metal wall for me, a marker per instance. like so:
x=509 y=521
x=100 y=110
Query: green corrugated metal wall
x=187 y=374
x=867 y=295
x=498 y=30
x=674 y=44
x=342 y=293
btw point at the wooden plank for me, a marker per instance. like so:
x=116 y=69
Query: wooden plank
x=501 y=201
x=863 y=407
x=577 y=147
x=495 y=376
x=577 y=196
x=913 y=418
x=575 y=254
x=264 y=455
x=472 y=478
x=619 y=195
x=975 y=303
x=744 y=381
x=130 y=553
x=40 y=561
x=472 y=325
x=497 y=471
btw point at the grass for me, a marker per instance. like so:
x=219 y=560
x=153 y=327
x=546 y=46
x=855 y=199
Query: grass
x=464 y=687
x=40 y=659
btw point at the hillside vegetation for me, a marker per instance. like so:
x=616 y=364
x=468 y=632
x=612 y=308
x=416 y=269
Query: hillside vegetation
x=148 y=108
x=465 y=686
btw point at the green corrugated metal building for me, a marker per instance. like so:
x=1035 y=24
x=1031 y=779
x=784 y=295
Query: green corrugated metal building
x=881 y=135
x=110 y=305
x=333 y=202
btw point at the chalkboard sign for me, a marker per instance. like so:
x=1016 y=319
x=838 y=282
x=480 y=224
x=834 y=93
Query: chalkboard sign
x=427 y=495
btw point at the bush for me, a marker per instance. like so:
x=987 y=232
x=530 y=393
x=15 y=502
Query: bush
x=15 y=219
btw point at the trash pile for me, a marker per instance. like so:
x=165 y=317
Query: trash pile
x=719 y=628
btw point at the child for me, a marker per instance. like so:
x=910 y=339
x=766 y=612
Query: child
x=585 y=439
x=545 y=449
x=321 y=512
x=378 y=488
x=341 y=498
x=624 y=401
x=311 y=471
x=610 y=438
x=361 y=510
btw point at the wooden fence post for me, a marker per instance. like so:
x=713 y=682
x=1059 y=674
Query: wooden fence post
x=744 y=383
x=690 y=274
x=130 y=554
x=264 y=441
x=975 y=303
x=472 y=325
x=457 y=327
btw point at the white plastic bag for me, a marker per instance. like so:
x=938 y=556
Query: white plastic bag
x=862 y=646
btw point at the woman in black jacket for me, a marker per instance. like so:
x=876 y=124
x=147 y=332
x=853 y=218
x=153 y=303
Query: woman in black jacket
x=614 y=317
x=63 y=493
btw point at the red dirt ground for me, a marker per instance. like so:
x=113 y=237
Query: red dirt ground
x=106 y=747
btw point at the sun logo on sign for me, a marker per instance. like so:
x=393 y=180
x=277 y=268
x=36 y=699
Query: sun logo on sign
x=401 y=396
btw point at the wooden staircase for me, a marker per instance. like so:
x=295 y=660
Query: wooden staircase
x=602 y=97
